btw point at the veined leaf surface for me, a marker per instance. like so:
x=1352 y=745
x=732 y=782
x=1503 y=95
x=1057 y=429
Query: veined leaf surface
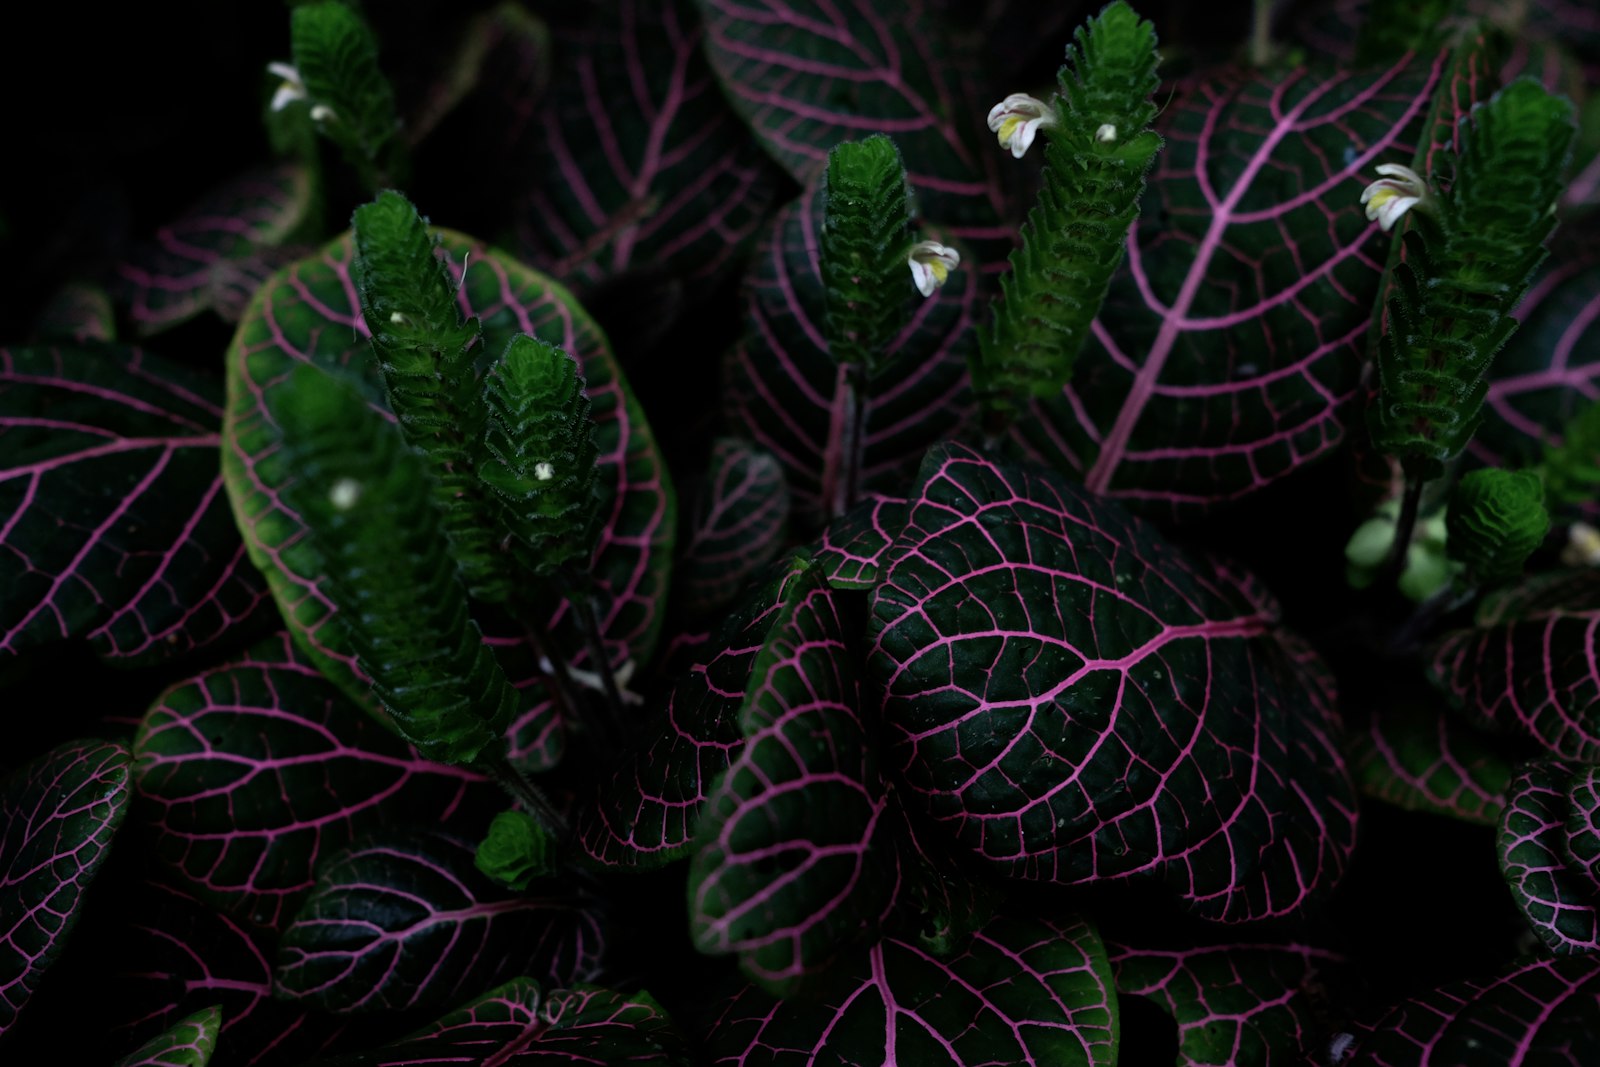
x=641 y=160
x=1421 y=758
x=741 y=519
x=57 y=817
x=1232 y=339
x=1559 y=898
x=808 y=74
x=1536 y=1012
x=1075 y=700
x=113 y=523
x=644 y=813
x=520 y=1024
x=1019 y=992
x=795 y=854
x=1528 y=665
x=196 y=258
x=179 y=955
x=189 y=1043
x=403 y=920
x=1235 y=1005
x=253 y=771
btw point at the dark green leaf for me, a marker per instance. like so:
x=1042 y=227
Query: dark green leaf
x=1559 y=899
x=113 y=524
x=519 y=1024
x=1497 y=519
x=254 y=771
x=57 y=817
x=741 y=521
x=403 y=921
x=794 y=857
x=1019 y=992
x=1418 y=757
x=189 y=1043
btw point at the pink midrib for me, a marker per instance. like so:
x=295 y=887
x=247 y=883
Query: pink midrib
x=1144 y=383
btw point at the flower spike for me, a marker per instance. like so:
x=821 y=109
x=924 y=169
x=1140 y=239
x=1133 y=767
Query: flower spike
x=1018 y=119
x=1393 y=195
x=931 y=263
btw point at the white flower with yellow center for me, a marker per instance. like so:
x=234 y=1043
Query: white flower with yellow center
x=1018 y=119
x=291 y=90
x=1400 y=190
x=931 y=264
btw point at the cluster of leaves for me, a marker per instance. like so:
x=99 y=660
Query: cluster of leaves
x=998 y=696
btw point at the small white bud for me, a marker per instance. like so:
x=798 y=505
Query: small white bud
x=397 y=318
x=1106 y=133
x=345 y=493
x=323 y=113
x=543 y=471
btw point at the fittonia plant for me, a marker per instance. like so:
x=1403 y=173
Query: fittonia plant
x=1135 y=599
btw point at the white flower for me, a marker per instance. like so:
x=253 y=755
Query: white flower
x=1392 y=196
x=322 y=113
x=931 y=263
x=544 y=471
x=1017 y=119
x=292 y=88
x=1583 y=546
x=1106 y=133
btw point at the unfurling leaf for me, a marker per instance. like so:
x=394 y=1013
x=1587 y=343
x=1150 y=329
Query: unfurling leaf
x=425 y=352
x=1469 y=259
x=866 y=230
x=517 y=850
x=540 y=461
x=366 y=500
x=351 y=101
x=1096 y=156
x=1497 y=519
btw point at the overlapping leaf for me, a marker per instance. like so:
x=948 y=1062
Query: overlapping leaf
x=1018 y=992
x=309 y=313
x=852 y=548
x=1419 y=758
x=181 y=956
x=1528 y=665
x=784 y=392
x=195 y=259
x=1232 y=338
x=189 y=1043
x=1583 y=822
x=1235 y=1005
x=643 y=814
x=253 y=771
x=1549 y=369
x=57 y=817
x=403 y=920
x=521 y=1025
x=795 y=855
x=808 y=74
x=113 y=523
x=641 y=161
x=1536 y=1012
x=1559 y=898
x=740 y=522
x=1075 y=700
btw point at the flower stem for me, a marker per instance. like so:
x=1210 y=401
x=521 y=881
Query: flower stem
x=531 y=797
x=1405 y=529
